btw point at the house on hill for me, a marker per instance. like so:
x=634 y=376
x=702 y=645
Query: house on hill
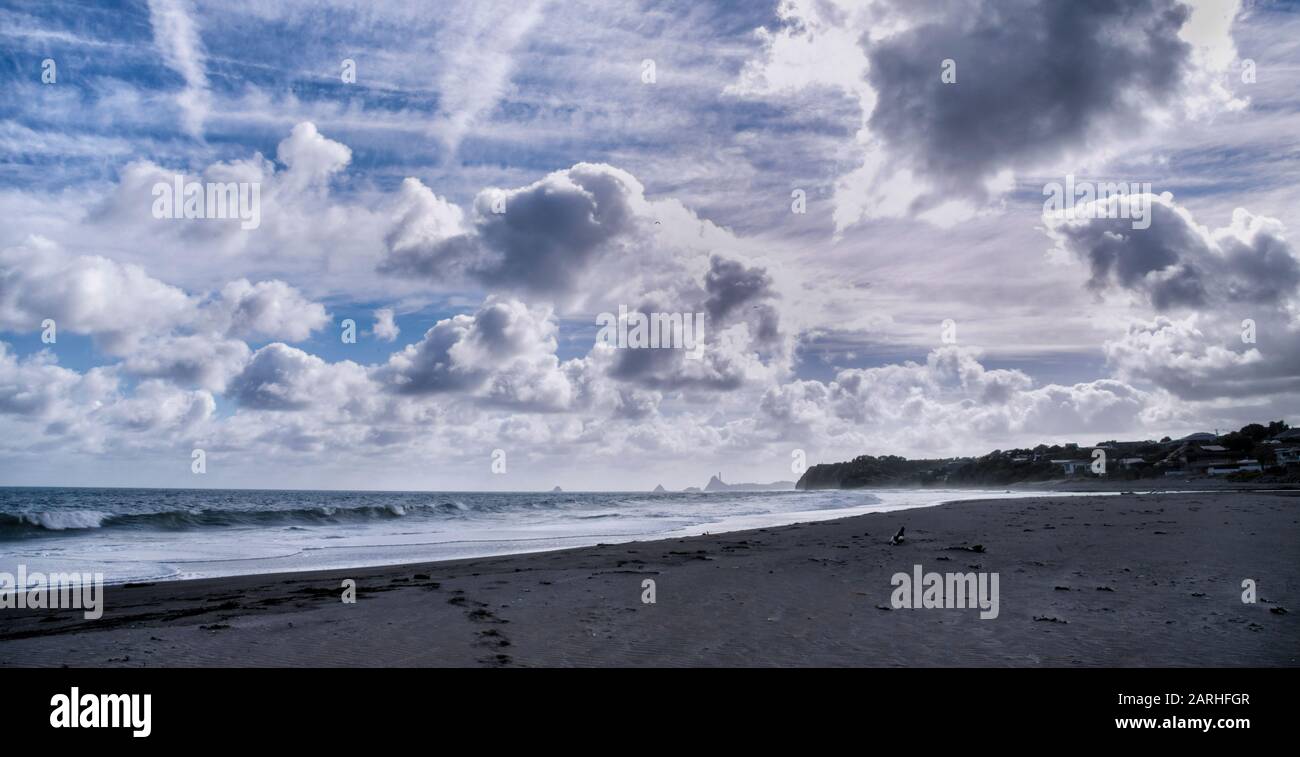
x=1287 y=455
x=1073 y=467
x=1285 y=446
x=1290 y=436
x=1197 y=459
x=1240 y=466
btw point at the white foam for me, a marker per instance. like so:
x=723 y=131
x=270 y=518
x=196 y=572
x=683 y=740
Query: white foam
x=63 y=520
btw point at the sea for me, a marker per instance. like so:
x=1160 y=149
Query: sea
x=133 y=535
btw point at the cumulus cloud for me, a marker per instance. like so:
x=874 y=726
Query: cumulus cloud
x=1231 y=296
x=158 y=405
x=306 y=223
x=120 y=303
x=427 y=366
x=385 y=327
x=423 y=220
x=44 y=405
x=159 y=331
x=939 y=406
x=539 y=239
x=280 y=377
x=1203 y=357
x=206 y=361
x=89 y=294
x=38 y=387
x=1175 y=262
x=311 y=157
x=267 y=309
x=582 y=236
x=504 y=353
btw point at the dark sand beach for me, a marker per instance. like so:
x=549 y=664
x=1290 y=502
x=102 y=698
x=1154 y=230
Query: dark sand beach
x=1128 y=580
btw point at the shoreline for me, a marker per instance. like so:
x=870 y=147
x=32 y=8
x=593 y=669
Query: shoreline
x=439 y=545
x=1169 y=484
x=473 y=546
x=1112 y=580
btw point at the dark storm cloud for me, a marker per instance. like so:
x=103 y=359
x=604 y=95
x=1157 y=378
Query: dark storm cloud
x=670 y=369
x=736 y=293
x=731 y=284
x=1033 y=78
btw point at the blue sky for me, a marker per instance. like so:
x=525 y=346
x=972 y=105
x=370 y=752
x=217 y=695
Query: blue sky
x=922 y=205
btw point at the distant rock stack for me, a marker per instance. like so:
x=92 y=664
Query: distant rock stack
x=716 y=484
x=659 y=489
x=557 y=490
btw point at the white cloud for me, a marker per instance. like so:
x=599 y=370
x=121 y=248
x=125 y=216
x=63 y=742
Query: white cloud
x=503 y=354
x=267 y=310
x=816 y=45
x=177 y=37
x=280 y=377
x=946 y=405
x=311 y=157
x=156 y=405
x=206 y=361
x=45 y=407
x=477 y=44
x=385 y=327
x=89 y=294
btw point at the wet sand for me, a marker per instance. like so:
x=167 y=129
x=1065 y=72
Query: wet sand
x=1128 y=580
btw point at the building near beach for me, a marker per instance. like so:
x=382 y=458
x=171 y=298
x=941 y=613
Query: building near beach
x=1073 y=467
x=1241 y=466
x=1196 y=459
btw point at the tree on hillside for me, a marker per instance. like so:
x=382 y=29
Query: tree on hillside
x=1255 y=432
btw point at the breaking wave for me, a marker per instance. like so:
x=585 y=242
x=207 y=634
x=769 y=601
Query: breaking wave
x=17 y=525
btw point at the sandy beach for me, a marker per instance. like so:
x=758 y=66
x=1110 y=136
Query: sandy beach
x=1127 y=580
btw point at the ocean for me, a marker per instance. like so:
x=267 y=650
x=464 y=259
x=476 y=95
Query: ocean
x=161 y=534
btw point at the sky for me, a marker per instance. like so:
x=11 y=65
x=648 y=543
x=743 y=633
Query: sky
x=854 y=199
